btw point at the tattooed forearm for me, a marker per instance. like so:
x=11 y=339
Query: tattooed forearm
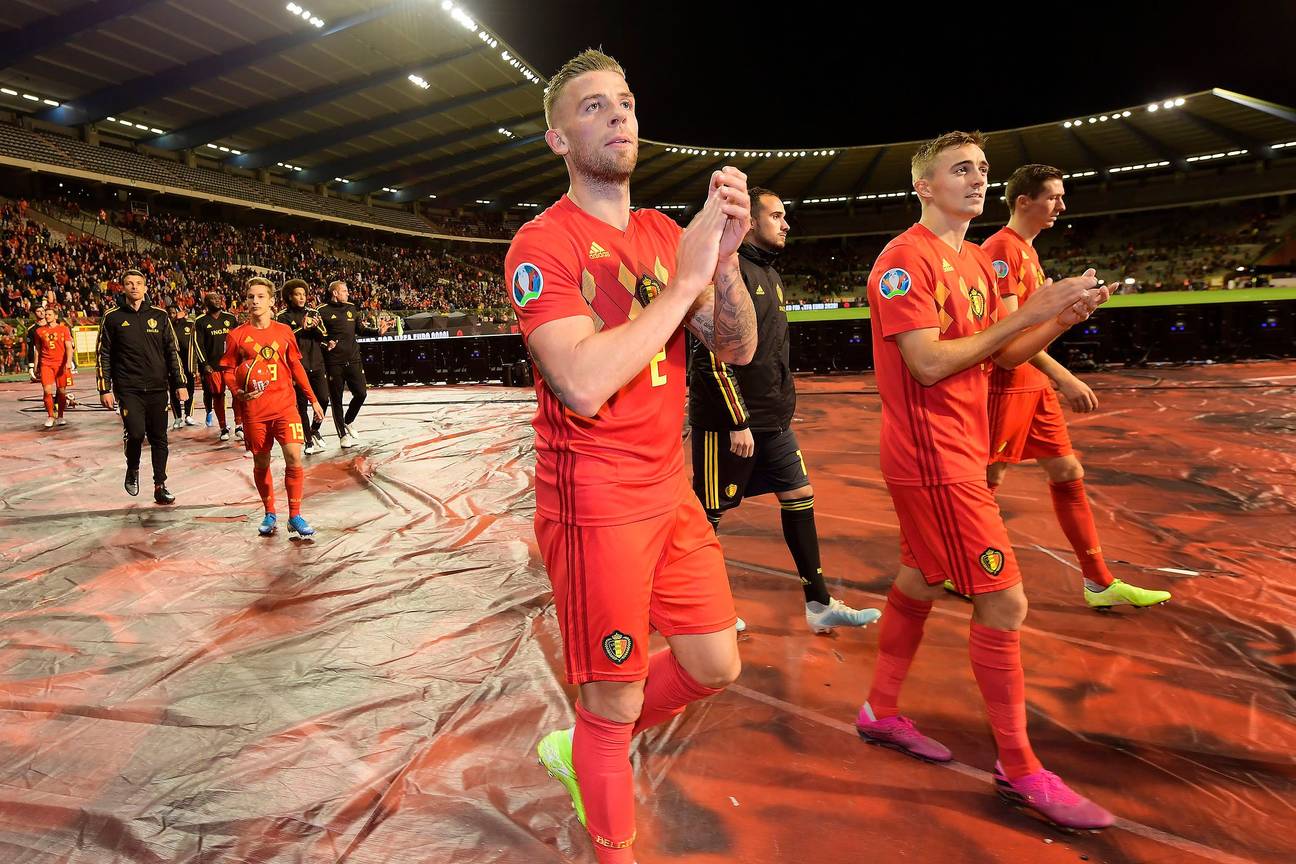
x=733 y=319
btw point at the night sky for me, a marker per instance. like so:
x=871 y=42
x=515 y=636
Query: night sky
x=816 y=75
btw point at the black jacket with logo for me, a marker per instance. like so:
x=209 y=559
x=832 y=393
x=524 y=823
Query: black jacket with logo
x=342 y=324
x=310 y=340
x=186 y=344
x=760 y=395
x=212 y=330
x=137 y=350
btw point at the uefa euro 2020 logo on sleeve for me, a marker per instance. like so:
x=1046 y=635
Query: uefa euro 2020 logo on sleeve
x=527 y=284
x=894 y=283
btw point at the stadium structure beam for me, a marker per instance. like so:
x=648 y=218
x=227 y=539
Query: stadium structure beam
x=117 y=98
x=1023 y=149
x=811 y=187
x=1273 y=109
x=17 y=45
x=493 y=184
x=556 y=178
x=1229 y=134
x=327 y=138
x=664 y=195
x=1158 y=146
x=867 y=174
x=216 y=128
x=376 y=158
x=1100 y=162
x=444 y=187
x=778 y=175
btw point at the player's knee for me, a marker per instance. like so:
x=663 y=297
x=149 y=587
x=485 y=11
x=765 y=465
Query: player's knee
x=1002 y=610
x=911 y=583
x=806 y=491
x=717 y=670
x=620 y=702
x=1064 y=470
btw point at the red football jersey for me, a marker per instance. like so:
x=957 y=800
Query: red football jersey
x=626 y=463
x=277 y=346
x=51 y=342
x=937 y=434
x=1017 y=273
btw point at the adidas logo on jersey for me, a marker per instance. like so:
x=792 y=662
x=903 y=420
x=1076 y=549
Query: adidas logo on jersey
x=596 y=251
x=946 y=266
x=760 y=291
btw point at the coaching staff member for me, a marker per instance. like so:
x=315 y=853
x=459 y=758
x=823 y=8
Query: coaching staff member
x=138 y=364
x=342 y=323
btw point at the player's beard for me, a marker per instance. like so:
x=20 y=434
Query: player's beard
x=603 y=165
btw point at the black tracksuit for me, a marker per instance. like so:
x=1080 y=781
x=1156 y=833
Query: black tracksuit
x=310 y=340
x=185 y=345
x=137 y=360
x=342 y=324
x=210 y=330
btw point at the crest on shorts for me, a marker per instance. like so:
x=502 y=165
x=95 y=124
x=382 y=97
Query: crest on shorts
x=894 y=283
x=992 y=561
x=617 y=646
x=977 y=301
x=647 y=289
x=1000 y=268
x=731 y=490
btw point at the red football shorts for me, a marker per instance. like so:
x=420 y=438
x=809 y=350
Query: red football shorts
x=259 y=436
x=614 y=584
x=1027 y=425
x=954 y=531
x=58 y=377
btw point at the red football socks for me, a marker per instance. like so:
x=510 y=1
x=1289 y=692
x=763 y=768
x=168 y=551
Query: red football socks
x=601 y=757
x=265 y=485
x=1076 y=519
x=294 y=480
x=61 y=400
x=49 y=404
x=901 y=633
x=996 y=663
x=668 y=690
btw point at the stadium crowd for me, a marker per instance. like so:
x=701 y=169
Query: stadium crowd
x=186 y=257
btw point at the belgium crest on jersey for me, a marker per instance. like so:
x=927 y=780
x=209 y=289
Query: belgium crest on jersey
x=617 y=646
x=992 y=561
x=647 y=289
x=977 y=301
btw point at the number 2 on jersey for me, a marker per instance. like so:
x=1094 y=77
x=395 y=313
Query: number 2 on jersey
x=658 y=377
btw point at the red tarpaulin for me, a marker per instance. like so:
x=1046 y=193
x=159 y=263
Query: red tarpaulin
x=175 y=689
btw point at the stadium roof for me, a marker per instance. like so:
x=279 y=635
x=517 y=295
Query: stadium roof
x=415 y=96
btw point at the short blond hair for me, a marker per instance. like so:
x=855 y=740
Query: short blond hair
x=260 y=280
x=923 y=158
x=589 y=60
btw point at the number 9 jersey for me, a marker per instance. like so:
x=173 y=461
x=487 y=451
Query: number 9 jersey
x=625 y=463
x=276 y=346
